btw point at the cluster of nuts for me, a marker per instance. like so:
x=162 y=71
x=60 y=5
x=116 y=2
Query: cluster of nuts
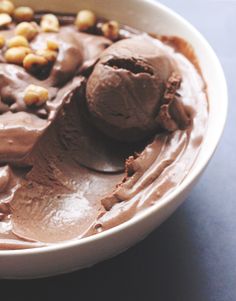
x=9 y=12
x=86 y=20
x=20 y=53
x=18 y=50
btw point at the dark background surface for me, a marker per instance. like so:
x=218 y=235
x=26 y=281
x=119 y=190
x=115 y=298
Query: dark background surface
x=192 y=256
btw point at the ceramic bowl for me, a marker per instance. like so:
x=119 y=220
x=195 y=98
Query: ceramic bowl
x=148 y=16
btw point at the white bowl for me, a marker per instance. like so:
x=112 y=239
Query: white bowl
x=149 y=16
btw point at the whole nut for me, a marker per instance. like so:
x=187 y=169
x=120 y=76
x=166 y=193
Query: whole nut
x=52 y=45
x=23 y=13
x=85 y=20
x=17 y=41
x=6 y=7
x=49 y=23
x=34 y=63
x=16 y=55
x=2 y=41
x=49 y=55
x=5 y=19
x=27 y=29
x=111 y=30
x=35 y=95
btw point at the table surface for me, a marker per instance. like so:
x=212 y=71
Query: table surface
x=192 y=256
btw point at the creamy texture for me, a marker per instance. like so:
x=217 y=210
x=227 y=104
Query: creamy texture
x=47 y=194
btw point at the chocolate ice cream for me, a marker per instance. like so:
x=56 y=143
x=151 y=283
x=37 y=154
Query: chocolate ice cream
x=97 y=122
x=127 y=86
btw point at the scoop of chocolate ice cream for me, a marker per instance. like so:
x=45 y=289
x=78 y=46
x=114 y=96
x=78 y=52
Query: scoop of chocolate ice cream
x=125 y=89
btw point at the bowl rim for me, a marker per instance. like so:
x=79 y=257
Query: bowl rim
x=195 y=172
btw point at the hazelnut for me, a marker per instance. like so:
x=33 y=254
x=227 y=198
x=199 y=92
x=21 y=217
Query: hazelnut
x=35 y=95
x=34 y=63
x=49 y=55
x=27 y=29
x=85 y=20
x=2 y=41
x=6 y=7
x=5 y=19
x=23 y=13
x=52 y=45
x=17 y=41
x=111 y=30
x=16 y=55
x=49 y=23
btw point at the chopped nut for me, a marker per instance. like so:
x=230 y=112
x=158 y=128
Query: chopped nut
x=26 y=29
x=35 y=95
x=85 y=20
x=17 y=41
x=6 y=7
x=52 y=45
x=23 y=13
x=111 y=30
x=5 y=19
x=49 y=55
x=34 y=63
x=2 y=41
x=49 y=23
x=16 y=55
